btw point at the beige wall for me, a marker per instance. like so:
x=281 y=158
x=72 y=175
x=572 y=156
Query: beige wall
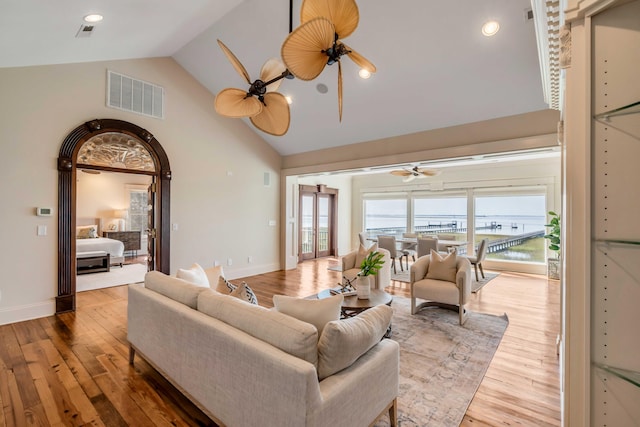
x=218 y=199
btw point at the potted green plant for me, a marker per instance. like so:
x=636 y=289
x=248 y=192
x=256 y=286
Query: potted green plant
x=553 y=235
x=370 y=266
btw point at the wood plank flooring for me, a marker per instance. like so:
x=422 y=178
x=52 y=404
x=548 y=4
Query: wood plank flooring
x=72 y=369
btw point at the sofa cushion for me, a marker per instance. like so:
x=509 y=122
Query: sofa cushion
x=315 y=311
x=194 y=275
x=442 y=268
x=174 y=288
x=242 y=291
x=298 y=338
x=343 y=341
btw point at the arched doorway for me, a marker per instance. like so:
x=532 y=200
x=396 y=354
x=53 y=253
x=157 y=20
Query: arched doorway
x=67 y=169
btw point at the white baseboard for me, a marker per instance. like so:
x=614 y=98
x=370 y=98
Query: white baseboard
x=27 y=312
x=251 y=270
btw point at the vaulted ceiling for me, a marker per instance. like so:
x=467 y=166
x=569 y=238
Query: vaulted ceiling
x=435 y=68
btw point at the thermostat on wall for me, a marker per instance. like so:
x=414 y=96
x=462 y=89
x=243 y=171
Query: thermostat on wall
x=44 y=211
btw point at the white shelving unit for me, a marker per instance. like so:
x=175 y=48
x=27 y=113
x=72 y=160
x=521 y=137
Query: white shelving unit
x=615 y=212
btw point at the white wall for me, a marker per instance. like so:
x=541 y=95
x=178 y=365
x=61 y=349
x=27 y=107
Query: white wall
x=218 y=198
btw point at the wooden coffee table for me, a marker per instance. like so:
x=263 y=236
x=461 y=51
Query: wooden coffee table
x=352 y=306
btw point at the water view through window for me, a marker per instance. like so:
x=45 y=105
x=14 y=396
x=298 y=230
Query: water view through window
x=513 y=223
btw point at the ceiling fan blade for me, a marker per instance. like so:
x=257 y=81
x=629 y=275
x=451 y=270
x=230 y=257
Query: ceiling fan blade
x=270 y=70
x=275 y=116
x=340 y=89
x=235 y=62
x=400 y=173
x=360 y=60
x=302 y=50
x=235 y=103
x=343 y=13
x=428 y=172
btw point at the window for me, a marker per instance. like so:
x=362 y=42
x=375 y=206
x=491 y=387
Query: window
x=441 y=215
x=385 y=216
x=514 y=225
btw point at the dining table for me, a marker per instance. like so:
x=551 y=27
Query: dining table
x=443 y=245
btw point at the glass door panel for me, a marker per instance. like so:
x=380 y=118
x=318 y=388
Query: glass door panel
x=307 y=218
x=323 y=231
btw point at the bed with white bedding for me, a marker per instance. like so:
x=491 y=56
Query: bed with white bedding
x=88 y=240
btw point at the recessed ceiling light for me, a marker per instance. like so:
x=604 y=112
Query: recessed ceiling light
x=93 y=18
x=365 y=74
x=322 y=88
x=288 y=98
x=490 y=28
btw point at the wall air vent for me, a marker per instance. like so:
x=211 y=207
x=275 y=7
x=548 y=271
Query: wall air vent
x=85 y=31
x=528 y=14
x=137 y=96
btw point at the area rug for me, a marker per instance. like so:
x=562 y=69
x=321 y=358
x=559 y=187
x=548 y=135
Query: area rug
x=129 y=273
x=441 y=363
x=476 y=285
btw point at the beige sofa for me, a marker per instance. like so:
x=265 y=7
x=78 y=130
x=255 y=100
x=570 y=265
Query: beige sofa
x=381 y=280
x=245 y=365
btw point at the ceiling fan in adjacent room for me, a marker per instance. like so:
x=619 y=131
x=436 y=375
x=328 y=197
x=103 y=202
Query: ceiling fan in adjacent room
x=317 y=41
x=415 y=172
x=268 y=110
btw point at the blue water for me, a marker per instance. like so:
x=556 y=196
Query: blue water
x=510 y=224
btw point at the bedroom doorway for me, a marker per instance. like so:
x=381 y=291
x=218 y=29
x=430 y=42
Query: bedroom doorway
x=116 y=205
x=109 y=146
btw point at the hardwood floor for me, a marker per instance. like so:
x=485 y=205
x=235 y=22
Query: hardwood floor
x=73 y=369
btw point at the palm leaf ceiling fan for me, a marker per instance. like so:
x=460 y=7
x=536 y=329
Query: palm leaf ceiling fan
x=415 y=172
x=317 y=41
x=268 y=110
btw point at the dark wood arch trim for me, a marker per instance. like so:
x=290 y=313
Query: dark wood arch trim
x=67 y=160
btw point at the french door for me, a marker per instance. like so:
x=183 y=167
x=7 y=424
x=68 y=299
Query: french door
x=317 y=231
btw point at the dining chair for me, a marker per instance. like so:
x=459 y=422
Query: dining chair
x=389 y=243
x=363 y=236
x=425 y=244
x=409 y=247
x=476 y=260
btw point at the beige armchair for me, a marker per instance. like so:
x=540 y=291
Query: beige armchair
x=381 y=280
x=442 y=293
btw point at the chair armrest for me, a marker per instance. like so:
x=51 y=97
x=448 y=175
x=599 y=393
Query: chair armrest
x=418 y=269
x=463 y=276
x=383 y=278
x=349 y=261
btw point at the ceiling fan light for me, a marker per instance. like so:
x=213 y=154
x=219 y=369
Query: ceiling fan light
x=490 y=28
x=94 y=17
x=289 y=99
x=364 y=74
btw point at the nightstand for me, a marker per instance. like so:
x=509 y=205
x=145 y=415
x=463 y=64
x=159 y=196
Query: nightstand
x=131 y=239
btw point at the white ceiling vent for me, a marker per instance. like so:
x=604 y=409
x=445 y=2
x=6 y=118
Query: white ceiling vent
x=137 y=96
x=85 y=31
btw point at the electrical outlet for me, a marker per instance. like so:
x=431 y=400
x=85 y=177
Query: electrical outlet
x=250 y=259
x=216 y=263
x=174 y=226
x=229 y=261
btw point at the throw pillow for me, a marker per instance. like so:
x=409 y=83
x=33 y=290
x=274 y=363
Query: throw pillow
x=343 y=342
x=213 y=274
x=442 y=268
x=363 y=253
x=194 y=275
x=87 y=232
x=318 y=312
x=242 y=291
